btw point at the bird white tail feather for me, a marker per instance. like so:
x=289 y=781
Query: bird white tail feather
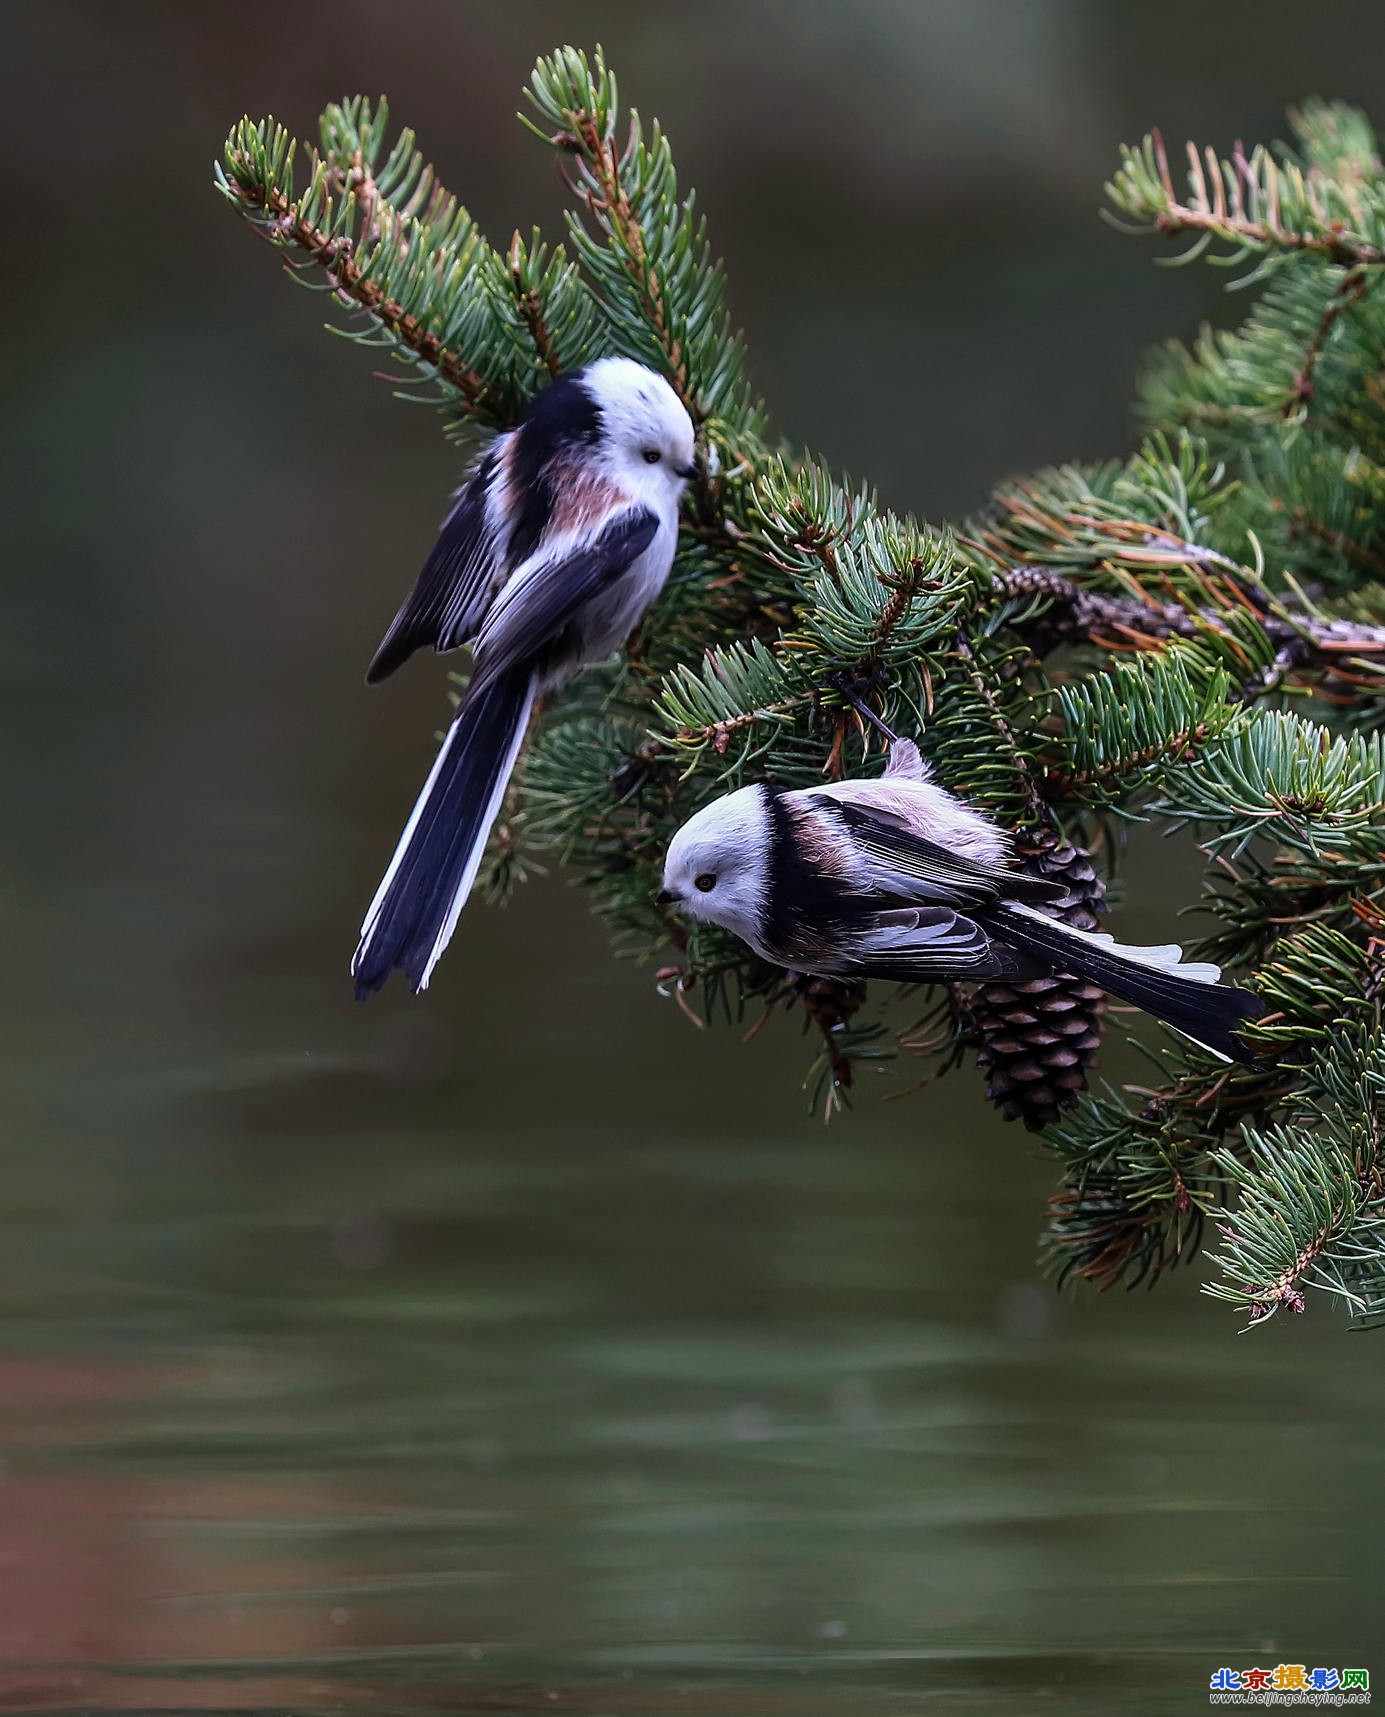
x=1166 y=957
x=403 y=843
x=449 y=824
x=478 y=850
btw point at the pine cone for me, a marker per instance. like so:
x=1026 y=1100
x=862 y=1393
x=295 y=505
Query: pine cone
x=828 y=1003
x=1038 y=1039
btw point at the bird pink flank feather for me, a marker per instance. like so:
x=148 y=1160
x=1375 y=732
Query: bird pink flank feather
x=582 y=498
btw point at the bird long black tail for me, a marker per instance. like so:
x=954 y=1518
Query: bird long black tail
x=1184 y=994
x=416 y=907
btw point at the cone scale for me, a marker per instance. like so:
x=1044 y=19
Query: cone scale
x=1038 y=1040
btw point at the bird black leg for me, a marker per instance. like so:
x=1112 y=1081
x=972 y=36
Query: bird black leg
x=844 y=686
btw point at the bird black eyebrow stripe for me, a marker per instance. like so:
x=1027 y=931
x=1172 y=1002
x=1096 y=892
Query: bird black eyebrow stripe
x=798 y=890
x=792 y=881
x=564 y=415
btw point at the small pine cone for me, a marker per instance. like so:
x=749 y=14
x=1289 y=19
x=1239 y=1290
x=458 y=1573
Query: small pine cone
x=1038 y=1039
x=828 y=1003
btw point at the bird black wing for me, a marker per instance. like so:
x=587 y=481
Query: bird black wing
x=913 y=868
x=547 y=594
x=445 y=606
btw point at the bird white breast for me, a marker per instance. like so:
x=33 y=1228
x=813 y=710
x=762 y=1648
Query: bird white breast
x=608 y=620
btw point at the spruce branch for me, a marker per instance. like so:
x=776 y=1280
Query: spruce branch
x=1125 y=727
x=1134 y=1198
x=644 y=247
x=1017 y=755
x=257 y=178
x=480 y=329
x=1345 y=292
x=1149 y=523
x=1055 y=609
x=1337 y=139
x=1311 y=1198
x=1289 y=394
x=527 y=279
x=1283 y=779
x=1299 y=522
x=1254 y=204
x=1193 y=635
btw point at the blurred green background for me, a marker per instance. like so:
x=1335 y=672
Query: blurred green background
x=520 y=1348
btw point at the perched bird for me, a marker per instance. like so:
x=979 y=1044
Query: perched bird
x=558 y=543
x=896 y=878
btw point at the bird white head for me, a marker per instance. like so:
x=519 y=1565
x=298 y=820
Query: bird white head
x=646 y=437
x=718 y=863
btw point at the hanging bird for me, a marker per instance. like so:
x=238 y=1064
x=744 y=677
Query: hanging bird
x=556 y=546
x=898 y=879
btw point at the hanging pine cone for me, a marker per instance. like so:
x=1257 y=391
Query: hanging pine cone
x=1038 y=1039
x=828 y=1003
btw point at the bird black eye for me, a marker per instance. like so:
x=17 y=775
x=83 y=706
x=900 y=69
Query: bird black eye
x=652 y=456
x=705 y=883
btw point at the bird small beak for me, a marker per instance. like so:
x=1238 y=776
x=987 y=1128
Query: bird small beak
x=688 y=473
x=666 y=897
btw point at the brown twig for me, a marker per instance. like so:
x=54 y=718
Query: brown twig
x=606 y=197
x=1284 y=1289
x=359 y=181
x=530 y=310
x=718 y=734
x=333 y=256
x=1038 y=806
x=828 y=1003
x=904 y=587
x=1350 y=288
x=1301 y=524
x=1304 y=642
x=1215 y=214
x=1063 y=784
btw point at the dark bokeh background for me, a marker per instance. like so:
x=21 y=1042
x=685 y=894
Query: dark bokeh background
x=521 y=1343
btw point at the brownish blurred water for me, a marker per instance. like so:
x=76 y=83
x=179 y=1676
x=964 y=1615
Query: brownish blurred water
x=521 y=1348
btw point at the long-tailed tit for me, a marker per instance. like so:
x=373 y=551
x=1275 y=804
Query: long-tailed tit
x=897 y=879
x=556 y=546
